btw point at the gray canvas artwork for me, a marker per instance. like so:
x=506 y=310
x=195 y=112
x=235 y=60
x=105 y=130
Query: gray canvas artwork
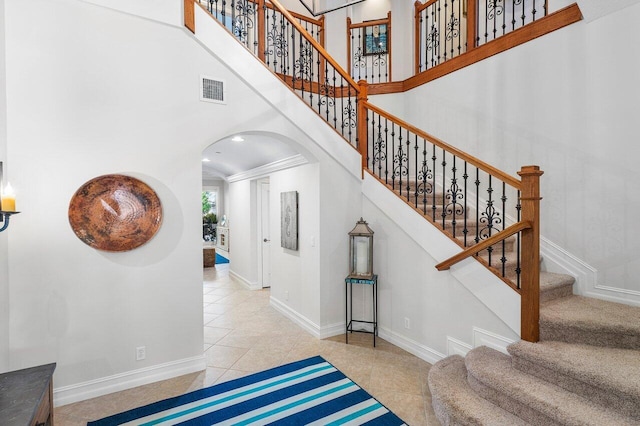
x=289 y=220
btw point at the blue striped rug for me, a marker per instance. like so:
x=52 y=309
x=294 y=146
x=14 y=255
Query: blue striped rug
x=307 y=392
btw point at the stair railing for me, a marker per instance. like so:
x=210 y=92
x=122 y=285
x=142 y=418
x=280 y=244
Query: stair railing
x=369 y=50
x=492 y=215
x=445 y=29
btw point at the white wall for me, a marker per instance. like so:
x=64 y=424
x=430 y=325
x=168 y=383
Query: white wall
x=115 y=93
x=295 y=275
x=567 y=102
x=4 y=273
x=243 y=230
x=437 y=306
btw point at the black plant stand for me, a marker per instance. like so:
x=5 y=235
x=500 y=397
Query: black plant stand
x=349 y=282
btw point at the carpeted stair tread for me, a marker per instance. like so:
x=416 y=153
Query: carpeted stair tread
x=491 y=375
x=609 y=376
x=577 y=319
x=554 y=286
x=455 y=403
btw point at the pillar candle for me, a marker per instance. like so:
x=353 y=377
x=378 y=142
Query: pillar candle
x=8 y=199
x=362 y=257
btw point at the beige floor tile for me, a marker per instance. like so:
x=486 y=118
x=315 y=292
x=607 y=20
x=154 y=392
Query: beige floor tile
x=231 y=375
x=223 y=356
x=213 y=334
x=409 y=408
x=259 y=359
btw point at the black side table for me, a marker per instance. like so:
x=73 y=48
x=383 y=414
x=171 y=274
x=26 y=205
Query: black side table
x=349 y=282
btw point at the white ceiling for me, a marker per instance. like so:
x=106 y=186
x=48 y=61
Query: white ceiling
x=227 y=158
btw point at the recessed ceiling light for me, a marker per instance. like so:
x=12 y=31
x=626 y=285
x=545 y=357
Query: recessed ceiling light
x=205 y=160
x=237 y=139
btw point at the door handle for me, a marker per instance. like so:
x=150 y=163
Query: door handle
x=266 y=241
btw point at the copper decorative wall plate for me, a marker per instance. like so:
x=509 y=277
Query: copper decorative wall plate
x=115 y=213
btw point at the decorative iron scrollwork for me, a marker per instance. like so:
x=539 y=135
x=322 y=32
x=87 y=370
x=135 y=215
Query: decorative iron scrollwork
x=277 y=41
x=494 y=8
x=400 y=162
x=303 y=66
x=453 y=28
x=433 y=39
x=243 y=21
x=490 y=217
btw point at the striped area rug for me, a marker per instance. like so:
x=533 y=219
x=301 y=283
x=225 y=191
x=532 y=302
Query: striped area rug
x=307 y=392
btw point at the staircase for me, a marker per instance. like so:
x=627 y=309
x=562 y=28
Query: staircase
x=584 y=371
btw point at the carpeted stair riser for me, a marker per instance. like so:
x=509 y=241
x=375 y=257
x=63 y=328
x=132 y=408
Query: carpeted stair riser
x=582 y=320
x=621 y=394
x=455 y=403
x=491 y=374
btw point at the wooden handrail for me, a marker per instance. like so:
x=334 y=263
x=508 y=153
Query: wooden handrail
x=319 y=22
x=494 y=239
x=316 y=45
x=426 y=5
x=472 y=23
x=504 y=177
x=369 y=23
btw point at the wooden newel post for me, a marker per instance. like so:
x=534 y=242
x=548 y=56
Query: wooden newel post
x=363 y=139
x=472 y=23
x=530 y=254
x=189 y=16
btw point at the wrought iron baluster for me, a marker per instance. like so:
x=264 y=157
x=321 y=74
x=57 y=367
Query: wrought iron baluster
x=434 y=158
x=386 y=145
x=465 y=230
x=422 y=33
x=335 y=115
x=503 y=259
x=453 y=196
x=477 y=182
x=415 y=170
x=533 y=11
x=393 y=150
x=446 y=20
x=407 y=143
x=518 y=270
x=444 y=185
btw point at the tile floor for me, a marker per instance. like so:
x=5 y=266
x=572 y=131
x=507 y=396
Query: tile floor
x=243 y=334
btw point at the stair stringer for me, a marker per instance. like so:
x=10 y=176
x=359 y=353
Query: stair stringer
x=503 y=301
x=223 y=46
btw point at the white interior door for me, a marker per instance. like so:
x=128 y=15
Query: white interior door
x=266 y=234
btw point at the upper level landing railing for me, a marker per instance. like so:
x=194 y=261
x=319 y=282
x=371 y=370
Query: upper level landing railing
x=448 y=28
x=369 y=50
x=490 y=214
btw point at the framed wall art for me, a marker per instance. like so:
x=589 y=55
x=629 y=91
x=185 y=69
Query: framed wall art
x=375 y=39
x=289 y=220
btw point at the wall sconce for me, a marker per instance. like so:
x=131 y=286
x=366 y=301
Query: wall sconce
x=361 y=251
x=7 y=203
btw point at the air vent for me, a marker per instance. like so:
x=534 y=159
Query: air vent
x=212 y=90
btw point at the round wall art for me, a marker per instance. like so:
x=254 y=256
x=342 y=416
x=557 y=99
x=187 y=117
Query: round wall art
x=115 y=213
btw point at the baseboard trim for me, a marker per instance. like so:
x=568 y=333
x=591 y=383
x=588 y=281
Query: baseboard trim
x=556 y=259
x=421 y=351
x=457 y=347
x=492 y=340
x=251 y=285
x=130 y=379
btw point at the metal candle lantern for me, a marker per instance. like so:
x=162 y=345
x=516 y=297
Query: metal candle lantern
x=361 y=251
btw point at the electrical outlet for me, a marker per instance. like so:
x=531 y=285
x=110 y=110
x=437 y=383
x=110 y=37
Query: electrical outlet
x=407 y=323
x=141 y=353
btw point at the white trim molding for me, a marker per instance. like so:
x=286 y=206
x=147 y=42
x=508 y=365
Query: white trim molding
x=494 y=341
x=418 y=349
x=250 y=285
x=130 y=379
x=556 y=259
x=457 y=347
x=267 y=169
x=304 y=322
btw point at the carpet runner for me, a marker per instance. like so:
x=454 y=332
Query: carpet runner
x=307 y=392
